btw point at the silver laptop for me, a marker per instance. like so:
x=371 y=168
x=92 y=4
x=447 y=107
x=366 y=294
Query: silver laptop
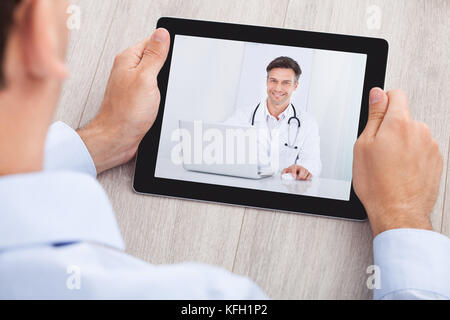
x=222 y=149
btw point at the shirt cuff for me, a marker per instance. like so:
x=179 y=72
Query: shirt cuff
x=412 y=259
x=65 y=150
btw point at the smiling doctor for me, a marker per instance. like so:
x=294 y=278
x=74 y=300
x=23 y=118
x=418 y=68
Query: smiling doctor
x=299 y=140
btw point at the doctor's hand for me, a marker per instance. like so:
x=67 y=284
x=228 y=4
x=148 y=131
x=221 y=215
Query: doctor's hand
x=130 y=104
x=298 y=172
x=397 y=165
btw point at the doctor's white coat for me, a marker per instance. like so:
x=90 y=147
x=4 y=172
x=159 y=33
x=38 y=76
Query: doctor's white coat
x=308 y=140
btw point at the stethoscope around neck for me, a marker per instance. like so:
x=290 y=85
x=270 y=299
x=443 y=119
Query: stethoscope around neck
x=291 y=119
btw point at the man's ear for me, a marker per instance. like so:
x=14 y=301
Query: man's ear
x=296 y=85
x=38 y=24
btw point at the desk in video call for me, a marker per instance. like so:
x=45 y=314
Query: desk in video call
x=320 y=187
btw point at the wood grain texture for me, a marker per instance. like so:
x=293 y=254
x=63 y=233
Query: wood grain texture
x=314 y=258
x=445 y=228
x=288 y=255
x=305 y=257
x=85 y=49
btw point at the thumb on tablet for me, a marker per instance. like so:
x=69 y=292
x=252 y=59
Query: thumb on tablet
x=378 y=104
x=155 y=52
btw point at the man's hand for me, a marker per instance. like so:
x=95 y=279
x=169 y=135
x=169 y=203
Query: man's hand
x=397 y=165
x=130 y=104
x=298 y=172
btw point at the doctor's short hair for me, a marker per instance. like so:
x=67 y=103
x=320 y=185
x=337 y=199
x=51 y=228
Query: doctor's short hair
x=7 y=8
x=285 y=63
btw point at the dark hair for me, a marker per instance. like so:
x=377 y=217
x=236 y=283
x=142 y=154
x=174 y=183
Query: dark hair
x=285 y=63
x=6 y=20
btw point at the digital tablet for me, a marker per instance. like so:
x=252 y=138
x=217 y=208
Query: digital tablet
x=260 y=117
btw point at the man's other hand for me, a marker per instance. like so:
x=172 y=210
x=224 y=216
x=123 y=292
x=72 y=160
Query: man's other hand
x=397 y=165
x=298 y=172
x=130 y=104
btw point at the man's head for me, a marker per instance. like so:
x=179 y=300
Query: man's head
x=33 y=40
x=282 y=80
x=33 y=43
x=6 y=20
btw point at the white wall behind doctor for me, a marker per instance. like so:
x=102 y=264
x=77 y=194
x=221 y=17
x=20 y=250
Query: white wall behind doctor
x=335 y=100
x=203 y=83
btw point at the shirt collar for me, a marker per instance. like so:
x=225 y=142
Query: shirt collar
x=46 y=208
x=286 y=114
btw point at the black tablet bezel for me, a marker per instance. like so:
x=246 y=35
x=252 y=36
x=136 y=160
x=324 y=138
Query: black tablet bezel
x=144 y=178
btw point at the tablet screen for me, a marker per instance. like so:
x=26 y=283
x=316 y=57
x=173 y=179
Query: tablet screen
x=261 y=116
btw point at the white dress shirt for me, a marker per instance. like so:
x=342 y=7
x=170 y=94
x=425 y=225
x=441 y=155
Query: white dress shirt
x=59 y=240
x=307 y=139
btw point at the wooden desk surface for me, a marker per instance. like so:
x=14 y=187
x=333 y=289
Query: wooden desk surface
x=290 y=256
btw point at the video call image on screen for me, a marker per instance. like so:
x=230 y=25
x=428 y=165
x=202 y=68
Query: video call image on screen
x=261 y=116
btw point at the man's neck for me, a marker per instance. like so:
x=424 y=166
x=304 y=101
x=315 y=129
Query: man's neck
x=276 y=110
x=24 y=120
